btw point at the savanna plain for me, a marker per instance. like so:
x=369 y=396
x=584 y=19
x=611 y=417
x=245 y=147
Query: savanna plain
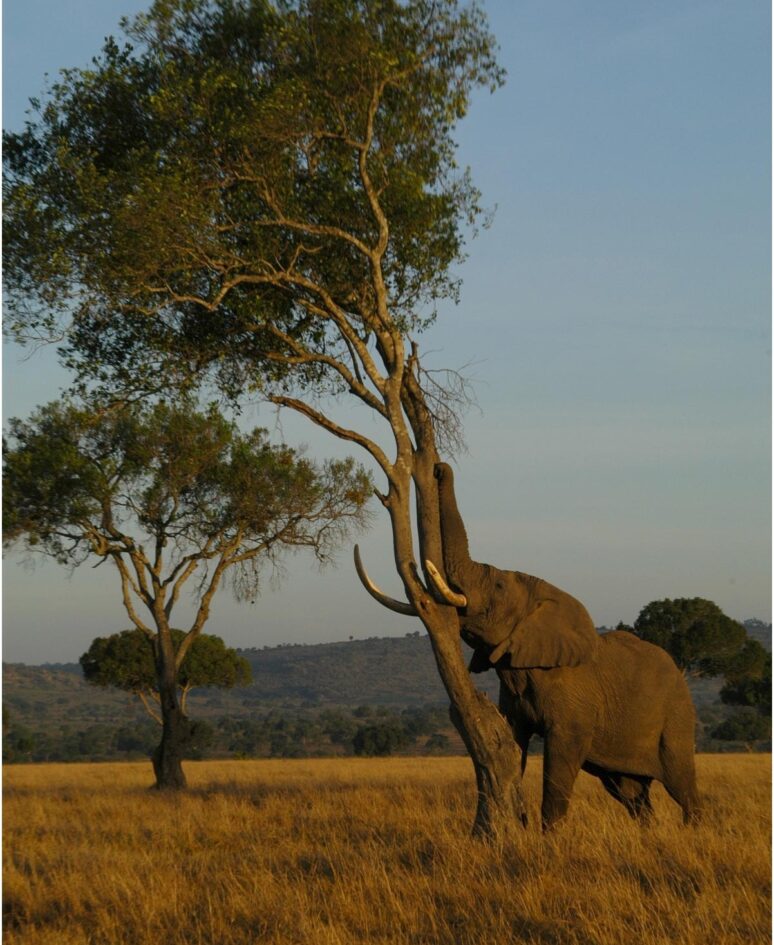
x=362 y=851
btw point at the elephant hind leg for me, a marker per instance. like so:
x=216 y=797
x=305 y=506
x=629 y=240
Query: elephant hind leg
x=680 y=778
x=633 y=793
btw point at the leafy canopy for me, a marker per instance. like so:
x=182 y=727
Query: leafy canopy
x=125 y=661
x=207 y=193
x=380 y=738
x=700 y=638
x=748 y=678
x=145 y=482
x=743 y=725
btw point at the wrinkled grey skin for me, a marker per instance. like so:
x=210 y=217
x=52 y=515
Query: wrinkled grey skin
x=611 y=705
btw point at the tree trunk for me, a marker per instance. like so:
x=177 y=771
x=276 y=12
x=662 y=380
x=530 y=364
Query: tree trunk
x=175 y=733
x=487 y=736
x=168 y=756
x=500 y=797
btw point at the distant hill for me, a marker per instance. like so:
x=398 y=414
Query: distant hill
x=390 y=671
x=397 y=672
x=391 y=675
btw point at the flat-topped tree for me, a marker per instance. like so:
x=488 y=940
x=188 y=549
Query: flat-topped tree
x=125 y=661
x=695 y=632
x=267 y=195
x=176 y=499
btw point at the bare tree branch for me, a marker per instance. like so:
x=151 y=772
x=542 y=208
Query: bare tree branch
x=448 y=395
x=148 y=708
x=341 y=432
x=126 y=584
x=300 y=226
x=304 y=356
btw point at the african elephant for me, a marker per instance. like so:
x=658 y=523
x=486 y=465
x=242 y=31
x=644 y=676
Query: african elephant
x=611 y=704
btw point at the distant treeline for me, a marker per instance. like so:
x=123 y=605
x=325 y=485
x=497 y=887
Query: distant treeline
x=365 y=730
x=302 y=733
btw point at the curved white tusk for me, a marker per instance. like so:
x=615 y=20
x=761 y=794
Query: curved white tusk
x=450 y=596
x=400 y=607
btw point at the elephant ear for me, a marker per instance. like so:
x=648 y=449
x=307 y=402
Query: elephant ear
x=556 y=633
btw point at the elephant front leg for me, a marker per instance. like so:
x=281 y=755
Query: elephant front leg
x=563 y=755
x=509 y=705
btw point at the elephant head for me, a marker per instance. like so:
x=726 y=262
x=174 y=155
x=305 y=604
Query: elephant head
x=506 y=613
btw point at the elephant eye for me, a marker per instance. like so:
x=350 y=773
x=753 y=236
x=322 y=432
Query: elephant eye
x=499 y=585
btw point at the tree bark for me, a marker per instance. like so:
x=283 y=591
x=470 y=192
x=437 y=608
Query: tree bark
x=487 y=736
x=168 y=756
x=500 y=802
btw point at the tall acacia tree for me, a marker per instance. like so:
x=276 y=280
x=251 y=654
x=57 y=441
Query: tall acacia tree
x=267 y=193
x=173 y=498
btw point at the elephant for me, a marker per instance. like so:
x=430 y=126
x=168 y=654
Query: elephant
x=609 y=704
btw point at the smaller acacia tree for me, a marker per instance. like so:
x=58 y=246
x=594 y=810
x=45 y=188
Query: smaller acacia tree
x=744 y=725
x=748 y=678
x=175 y=498
x=125 y=661
x=695 y=632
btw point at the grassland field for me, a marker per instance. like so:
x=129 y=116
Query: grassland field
x=373 y=852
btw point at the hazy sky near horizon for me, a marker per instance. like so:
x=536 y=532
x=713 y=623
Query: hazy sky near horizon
x=616 y=319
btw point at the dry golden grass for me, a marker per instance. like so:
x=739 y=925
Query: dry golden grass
x=355 y=852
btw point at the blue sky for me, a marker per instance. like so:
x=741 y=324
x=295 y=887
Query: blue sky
x=616 y=314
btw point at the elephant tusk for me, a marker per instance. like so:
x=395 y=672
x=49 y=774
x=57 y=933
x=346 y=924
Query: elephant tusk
x=456 y=600
x=400 y=607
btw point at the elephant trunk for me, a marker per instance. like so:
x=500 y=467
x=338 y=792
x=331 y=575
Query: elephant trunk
x=456 y=555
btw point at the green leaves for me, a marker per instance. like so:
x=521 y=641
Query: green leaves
x=81 y=480
x=748 y=678
x=744 y=725
x=53 y=485
x=701 y=639
x=126 y=661
x=243 y=167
